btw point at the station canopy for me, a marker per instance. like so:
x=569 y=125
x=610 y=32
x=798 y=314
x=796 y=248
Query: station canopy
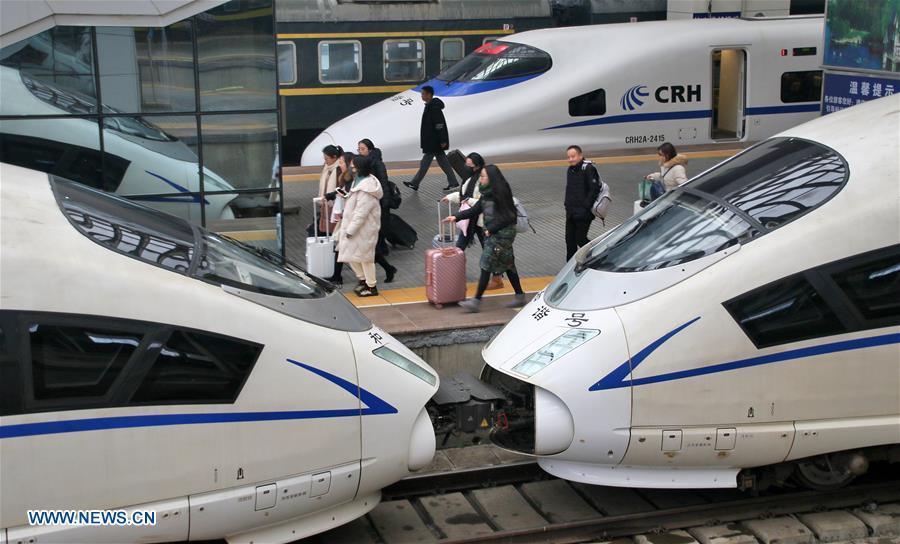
x=20 y=19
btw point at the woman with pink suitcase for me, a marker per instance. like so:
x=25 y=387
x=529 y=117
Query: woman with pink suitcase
x=496 y=203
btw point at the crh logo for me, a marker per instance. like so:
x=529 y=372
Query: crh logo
x=632 y=97
x=665 y=94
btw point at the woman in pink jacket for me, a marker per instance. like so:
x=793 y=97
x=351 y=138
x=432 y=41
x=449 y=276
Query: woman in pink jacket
x=361 y=219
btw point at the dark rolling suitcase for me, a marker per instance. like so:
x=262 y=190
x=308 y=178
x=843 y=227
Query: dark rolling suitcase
x=399 y=233
x=458 y=162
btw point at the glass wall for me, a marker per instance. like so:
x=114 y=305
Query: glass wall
x=183 y=118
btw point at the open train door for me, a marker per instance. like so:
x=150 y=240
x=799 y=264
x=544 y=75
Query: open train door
x=729 y=90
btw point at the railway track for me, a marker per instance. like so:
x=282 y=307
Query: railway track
x=519 y=503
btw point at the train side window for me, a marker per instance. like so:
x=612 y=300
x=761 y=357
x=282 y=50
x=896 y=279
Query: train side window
x=340 y=61
x=77 y=364
x=872 y=284
x=193 y=367
x=404 y=60
x=801 y=86
x=592 y=103
x=452 y=51
x=287 y=63
x=785 y=311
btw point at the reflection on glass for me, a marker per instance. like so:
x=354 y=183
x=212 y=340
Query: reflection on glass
x=777 y=181
x=241 y=148
x=147 y=69
x=69 y=148
x=255 y=221
x=498 y=60
x=681 y=227
x=164 y=165
x=404 y=60
x=62 y=56
x=339 y=62
x=236 y=49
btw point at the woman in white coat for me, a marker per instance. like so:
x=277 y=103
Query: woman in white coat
x=671 y=167
x=360 y=221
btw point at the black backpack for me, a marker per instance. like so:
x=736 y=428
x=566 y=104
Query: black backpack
x=394 y=197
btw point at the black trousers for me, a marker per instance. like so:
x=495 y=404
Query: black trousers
x=465 y=240
x=576 y=234
x=442 y=161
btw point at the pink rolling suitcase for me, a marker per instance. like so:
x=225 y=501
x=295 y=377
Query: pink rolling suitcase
x=445 y=271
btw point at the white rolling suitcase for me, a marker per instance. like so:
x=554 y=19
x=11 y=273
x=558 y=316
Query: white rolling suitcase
x=319 y=249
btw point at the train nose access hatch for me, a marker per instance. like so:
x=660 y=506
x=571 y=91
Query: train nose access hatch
x=533 y=420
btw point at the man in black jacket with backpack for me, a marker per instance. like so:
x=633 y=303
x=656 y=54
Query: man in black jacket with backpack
x=582 y=189
x=434 y=139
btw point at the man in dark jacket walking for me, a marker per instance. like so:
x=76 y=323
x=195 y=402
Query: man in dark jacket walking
x=434 y=140
x=582 y=188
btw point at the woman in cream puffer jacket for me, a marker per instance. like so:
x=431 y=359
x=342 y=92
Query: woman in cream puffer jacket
x=671 y=167
x=358 y=232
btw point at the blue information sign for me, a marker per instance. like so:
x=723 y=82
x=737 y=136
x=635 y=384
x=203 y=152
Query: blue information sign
x=843 y=91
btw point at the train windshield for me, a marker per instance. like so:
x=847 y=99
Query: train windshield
x=172 y=243
x=232 y=263
x=681 y=227
x=498 y=60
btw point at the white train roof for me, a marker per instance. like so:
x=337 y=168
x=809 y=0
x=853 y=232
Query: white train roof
x=20 y=19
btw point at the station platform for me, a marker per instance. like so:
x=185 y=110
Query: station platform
x=538 y=182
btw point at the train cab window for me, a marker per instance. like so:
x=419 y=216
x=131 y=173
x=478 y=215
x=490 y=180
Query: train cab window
x=592 y=103
x=801 y=86
x=229 y=263
x=788 y=310
x=498 y=60
x=340 y=61
x=77 y=362
x=452 y=51
x=193 y=367
x=127 y=228
x=872 y=284
x=287 y=63
x=680 y=228
x=777 y=181
x=404 y=60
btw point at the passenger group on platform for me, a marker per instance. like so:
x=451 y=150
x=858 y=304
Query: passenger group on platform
x=355 y=199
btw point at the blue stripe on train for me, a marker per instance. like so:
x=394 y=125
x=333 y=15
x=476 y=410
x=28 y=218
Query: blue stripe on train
x=373 y=406
x=617 y=378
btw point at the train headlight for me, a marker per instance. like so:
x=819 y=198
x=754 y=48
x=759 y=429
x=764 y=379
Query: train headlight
x=400 y=361
x=551 y=352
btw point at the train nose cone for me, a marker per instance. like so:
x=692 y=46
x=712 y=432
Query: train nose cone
x=312 y=155
x=554 y=427
x=422 y=442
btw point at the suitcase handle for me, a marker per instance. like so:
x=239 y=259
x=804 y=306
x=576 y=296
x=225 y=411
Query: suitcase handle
x=441 y=222
x=316 y=201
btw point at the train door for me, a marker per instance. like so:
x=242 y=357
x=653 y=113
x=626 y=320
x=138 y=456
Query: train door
x=729 y=68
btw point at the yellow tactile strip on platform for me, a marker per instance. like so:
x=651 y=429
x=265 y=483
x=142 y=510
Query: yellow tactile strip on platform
x=410 y=295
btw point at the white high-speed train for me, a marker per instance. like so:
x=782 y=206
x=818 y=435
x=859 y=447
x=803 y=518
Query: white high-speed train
x=749 y=318
x=147 y=364
x=139 y=158
x=610 y=86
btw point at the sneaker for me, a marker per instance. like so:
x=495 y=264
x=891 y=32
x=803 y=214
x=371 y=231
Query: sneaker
x=389 y=274
x=495 y=283
x=518 y=301
x=471 y=305
x=411 y=186
x=451 y=187
x=362 y=285
x=368 y=292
